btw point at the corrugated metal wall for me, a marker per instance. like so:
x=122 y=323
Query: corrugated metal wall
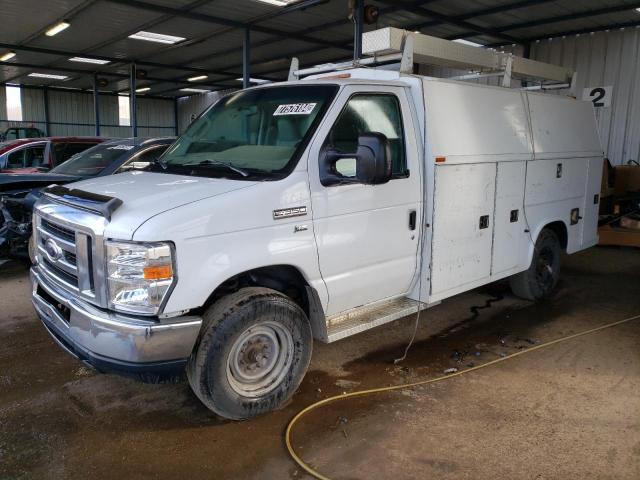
x=71 y=113
x=603 y=59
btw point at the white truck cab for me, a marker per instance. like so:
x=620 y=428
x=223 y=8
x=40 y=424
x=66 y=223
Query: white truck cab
x=310 y=209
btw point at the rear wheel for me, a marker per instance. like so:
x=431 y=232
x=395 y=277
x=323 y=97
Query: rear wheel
x=253 y=352
x=541 y=278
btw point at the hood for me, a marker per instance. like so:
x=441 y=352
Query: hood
x=20 y=170
x=15 y=182
x=146 y=194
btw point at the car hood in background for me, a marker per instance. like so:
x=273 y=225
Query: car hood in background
x=14 y=182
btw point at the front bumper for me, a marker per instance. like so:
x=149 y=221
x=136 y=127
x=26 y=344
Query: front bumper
x=112 y=342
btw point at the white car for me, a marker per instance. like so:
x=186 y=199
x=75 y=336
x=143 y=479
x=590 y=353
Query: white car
x=312 y=209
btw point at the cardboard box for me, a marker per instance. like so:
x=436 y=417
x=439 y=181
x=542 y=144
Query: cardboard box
x=624 y=237
x=606 y=187
x=626 y=179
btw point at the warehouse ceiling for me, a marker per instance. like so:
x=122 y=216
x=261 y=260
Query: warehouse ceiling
x=211 y=33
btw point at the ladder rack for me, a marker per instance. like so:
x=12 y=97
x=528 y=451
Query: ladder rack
x=390 y=44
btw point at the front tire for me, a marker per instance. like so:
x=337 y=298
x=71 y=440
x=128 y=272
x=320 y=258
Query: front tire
x=252 y=354
x=541 y=278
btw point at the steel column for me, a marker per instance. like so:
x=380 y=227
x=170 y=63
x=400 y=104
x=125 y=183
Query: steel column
x=133 y=114
x=175 y=117
x=358 y=25
x=96 y=104
x=45 y=98
x=246 y=59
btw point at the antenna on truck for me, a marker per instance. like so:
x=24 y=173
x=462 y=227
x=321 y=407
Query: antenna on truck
x=394 y=45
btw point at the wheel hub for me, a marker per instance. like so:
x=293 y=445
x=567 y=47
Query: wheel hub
x=544 y=267
x=259 y=359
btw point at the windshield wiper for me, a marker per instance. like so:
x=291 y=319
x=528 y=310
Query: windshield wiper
x=217 y=162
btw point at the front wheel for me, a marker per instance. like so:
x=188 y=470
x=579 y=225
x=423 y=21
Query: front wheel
x=253 y=352
x=541 y=278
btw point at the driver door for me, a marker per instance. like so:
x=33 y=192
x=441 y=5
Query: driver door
x=367 y=235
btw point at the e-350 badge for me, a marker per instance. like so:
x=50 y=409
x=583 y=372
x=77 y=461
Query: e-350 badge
x=289 y=212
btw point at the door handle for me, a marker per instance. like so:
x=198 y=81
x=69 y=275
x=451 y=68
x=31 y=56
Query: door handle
x=412 y=220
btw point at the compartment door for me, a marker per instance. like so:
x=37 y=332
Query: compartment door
x=462 y=227
x=510 y=241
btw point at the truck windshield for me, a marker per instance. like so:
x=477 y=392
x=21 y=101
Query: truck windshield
x=254 y=134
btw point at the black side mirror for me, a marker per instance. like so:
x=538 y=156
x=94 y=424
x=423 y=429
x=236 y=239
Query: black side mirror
x=370 y=165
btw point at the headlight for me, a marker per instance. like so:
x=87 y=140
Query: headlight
x=139 y=275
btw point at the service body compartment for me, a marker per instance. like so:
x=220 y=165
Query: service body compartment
x=510 y=238
x=462 y=226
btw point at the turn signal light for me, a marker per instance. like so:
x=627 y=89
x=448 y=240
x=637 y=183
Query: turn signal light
x=158 y=272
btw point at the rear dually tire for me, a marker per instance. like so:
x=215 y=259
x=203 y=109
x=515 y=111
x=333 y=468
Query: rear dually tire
x=541 y=278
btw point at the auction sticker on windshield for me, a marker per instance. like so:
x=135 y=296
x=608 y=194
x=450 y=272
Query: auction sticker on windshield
x=295 y=109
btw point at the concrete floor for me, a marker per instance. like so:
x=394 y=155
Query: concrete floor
x=570 y=411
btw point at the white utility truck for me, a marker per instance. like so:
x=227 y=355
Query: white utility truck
x=317 y=208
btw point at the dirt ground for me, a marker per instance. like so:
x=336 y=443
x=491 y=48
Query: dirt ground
x=571 y=411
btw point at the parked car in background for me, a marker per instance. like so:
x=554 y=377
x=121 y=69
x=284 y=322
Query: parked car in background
x=18 y=192
x=14 y=133
x=41 y=154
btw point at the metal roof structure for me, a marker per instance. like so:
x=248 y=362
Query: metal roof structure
x=219 y=35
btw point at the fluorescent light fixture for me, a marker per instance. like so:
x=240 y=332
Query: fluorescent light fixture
x=143 y=89
x=7 y=56
x=89 y=60
x=47 y=75
x=199 y=77
x=279 y=3
x=467 y=42
x=156 y=37
x=257 y=81
x=57 y=28
x=637 y=10
x=194 y=90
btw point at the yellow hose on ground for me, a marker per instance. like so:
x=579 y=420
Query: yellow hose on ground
x=361 y=393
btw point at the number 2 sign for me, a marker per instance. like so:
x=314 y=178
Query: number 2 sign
x=600 y=96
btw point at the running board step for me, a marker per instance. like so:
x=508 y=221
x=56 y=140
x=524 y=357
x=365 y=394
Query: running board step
x=364 y=318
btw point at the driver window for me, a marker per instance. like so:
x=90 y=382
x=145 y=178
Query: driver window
x=365 y=113
x=34 y=156
x=16 y=159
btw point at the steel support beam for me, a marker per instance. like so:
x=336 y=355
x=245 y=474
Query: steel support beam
x=96 y=104
x=493 y=32
x=246 y=59
x=227 y=22
x=45 y=100
x=315 y=29
x=133 y=111
x=582 y=31
x=481 y=13
x=561 y=18
x=176 y=122
x=67 y=53
x=358 y=28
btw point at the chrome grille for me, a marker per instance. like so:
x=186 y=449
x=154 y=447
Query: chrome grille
x=63 y=253
x=58 y=231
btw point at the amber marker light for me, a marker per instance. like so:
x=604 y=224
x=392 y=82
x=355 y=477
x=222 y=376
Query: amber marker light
x=158 y=272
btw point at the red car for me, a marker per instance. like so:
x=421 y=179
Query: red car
x=32 y=155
